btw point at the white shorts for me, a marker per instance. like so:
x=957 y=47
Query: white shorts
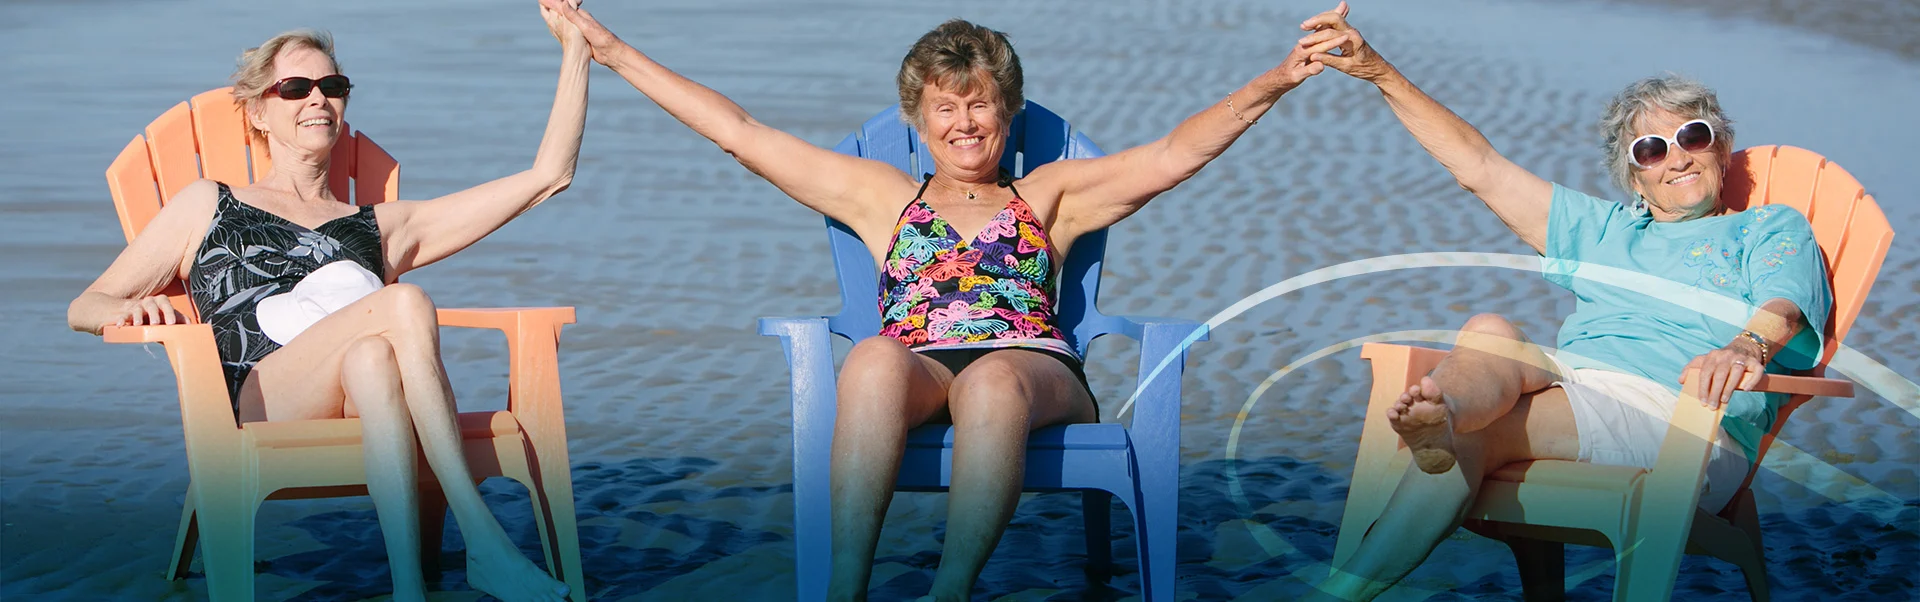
x=1622 y=419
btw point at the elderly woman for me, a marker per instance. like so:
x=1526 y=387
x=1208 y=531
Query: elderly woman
x=1606 y=396
x=995 y=365
x=378 y=358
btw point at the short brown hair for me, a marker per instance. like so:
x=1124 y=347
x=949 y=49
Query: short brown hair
x=255 y=71
x=952 y=56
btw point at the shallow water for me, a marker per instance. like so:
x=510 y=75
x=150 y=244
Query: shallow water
x=677 y=410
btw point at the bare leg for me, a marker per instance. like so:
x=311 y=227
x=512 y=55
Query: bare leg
x=304 y=381
x=1491 y=366
x=884 y=390
x=1501 y=377
x=996 y=402
x=369 y=373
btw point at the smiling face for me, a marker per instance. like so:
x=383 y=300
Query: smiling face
x=966 y=130
x=307 y=125
x=1684 y=185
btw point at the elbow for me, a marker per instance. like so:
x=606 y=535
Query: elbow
x=76 y=319
x=560 y=184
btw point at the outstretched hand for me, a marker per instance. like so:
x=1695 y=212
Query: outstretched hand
x=597 y=37
x=1330 y=31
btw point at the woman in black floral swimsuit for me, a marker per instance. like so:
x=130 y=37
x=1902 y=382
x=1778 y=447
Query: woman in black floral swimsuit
x=377 y=358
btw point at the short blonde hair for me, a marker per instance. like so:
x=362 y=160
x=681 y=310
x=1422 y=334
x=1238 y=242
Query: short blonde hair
x=254 y=73
x=951 y=56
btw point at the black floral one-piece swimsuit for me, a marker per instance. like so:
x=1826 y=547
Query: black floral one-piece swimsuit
x=250 y=254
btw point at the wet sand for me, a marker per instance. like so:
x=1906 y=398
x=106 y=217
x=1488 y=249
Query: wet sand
x=677 y=411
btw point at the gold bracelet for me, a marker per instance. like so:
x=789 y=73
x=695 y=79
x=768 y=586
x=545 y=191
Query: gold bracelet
x=1766 y=349
x=1236 y=112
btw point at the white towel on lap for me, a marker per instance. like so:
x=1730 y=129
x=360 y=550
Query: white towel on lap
x=322 y=292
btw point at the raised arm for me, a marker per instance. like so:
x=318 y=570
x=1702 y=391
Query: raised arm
x=422 y=232
x=841 y=187
x=127 y=293
x=1096 y=193
x=1520 y=198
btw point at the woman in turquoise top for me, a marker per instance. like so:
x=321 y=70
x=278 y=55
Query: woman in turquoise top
x=1672 y=283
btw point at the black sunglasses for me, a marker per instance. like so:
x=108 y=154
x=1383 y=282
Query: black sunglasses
x=299 y=88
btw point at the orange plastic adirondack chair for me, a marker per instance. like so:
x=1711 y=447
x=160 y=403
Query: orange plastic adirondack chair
x=1537 y=507
x=235 y=467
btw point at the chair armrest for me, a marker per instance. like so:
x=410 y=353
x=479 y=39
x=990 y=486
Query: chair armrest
x=168 y=333
x=809 y=348
x=533 y=360
x=1163 y=361
x=1803 y=385
x=213 y=438
x=1140 y=327
x=504 y=318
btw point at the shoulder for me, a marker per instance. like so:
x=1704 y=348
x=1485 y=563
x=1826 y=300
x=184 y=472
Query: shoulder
x=1767 y=220
x=196 y=202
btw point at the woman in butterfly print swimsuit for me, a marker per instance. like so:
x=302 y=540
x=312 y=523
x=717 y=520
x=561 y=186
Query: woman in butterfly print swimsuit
x=959 y=86
x=378 y=358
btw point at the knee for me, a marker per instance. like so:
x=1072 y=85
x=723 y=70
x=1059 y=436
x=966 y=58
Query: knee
x=877 y=361
x=1492 y=324
x=409 y=308
x=877 y=364
x=991 y=393
x=368 y=355
x=370 y=363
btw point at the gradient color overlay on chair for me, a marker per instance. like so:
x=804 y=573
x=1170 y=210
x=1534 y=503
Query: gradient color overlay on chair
x=1650 y=518
x=235 y=467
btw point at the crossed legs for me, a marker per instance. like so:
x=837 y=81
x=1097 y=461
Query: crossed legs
x=885 y=390
x=379 y=359
x=1489 y=403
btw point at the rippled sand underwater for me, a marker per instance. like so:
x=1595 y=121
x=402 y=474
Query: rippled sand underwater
x=677 y=410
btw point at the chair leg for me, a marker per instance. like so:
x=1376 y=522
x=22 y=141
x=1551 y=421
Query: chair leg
x=1096 y=507
x=1543 y=568
x=1156 y=525
x=550 y=489
x=1753 y=566
x=226 y=542
x=184 y=541
x=433 y=527
x=562 y=527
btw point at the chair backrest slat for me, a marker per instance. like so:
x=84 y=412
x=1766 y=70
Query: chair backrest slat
x=340 y=167
x=206 y=137
x=221 y=131
x=376 y=175
x=176 y=160
x=1036 y=137
x=1853 y=234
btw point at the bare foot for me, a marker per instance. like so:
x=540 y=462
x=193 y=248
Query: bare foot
x=1420 y=416
x=507 y=575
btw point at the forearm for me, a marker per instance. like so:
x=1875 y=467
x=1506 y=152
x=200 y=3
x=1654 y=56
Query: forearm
x=1776 y=322
x=559 y=152
x=707 y=112
x=1204 y=136
x=93 y=310
x=1451 y=140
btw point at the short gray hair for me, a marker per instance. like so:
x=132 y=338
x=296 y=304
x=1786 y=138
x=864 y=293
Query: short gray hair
x=1672 y=93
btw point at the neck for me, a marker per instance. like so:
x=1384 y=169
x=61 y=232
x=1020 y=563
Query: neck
x=1712 y=209
x=305 y=174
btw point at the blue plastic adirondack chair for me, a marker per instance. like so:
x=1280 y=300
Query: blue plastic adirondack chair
x=1140 y=465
